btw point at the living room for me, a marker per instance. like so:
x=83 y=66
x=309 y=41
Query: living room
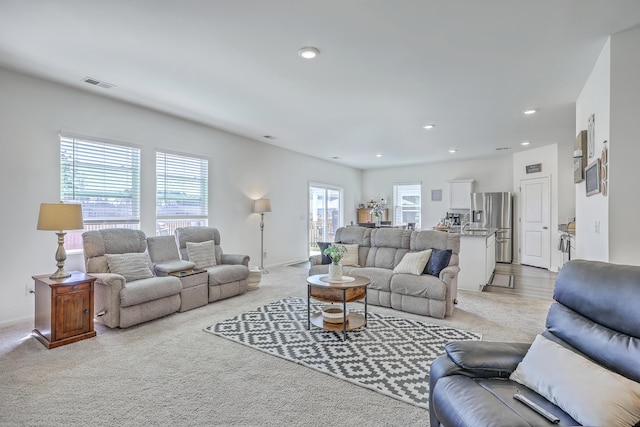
x=35 y=110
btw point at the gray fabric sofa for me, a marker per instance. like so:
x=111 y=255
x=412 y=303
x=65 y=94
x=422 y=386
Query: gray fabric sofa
x=229 y=276
x=120 y=302
x=594 y=331
x=380 y=250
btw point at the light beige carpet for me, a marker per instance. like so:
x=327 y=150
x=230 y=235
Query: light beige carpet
x=169 y=372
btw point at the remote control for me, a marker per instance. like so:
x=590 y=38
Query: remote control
x=548 y=415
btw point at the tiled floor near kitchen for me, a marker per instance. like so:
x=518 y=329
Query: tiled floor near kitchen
x=531 y=282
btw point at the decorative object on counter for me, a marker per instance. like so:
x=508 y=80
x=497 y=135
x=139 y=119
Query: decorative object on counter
x=376 y=211
x=59 y=217
x=335 y=252
x=261 y=206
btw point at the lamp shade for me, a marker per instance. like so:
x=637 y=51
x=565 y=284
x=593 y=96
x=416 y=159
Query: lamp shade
x=60 y=216
x=262 y=205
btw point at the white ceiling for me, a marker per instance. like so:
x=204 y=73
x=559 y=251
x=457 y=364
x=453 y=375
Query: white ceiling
x=386 y=67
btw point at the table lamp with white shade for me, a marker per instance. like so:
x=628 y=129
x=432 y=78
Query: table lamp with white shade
x=59 y=217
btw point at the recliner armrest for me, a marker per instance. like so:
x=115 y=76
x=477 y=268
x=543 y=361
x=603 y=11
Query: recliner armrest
x=110 y=279
x=315 y=259
x=449 y=273
x=235 y=259
x=164 y=268
x=493 y=358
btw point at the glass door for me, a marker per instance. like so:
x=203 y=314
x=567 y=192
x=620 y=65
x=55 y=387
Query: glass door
x=325 y=215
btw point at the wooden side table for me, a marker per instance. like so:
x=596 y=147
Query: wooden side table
x=64 y=309
x=320 y=289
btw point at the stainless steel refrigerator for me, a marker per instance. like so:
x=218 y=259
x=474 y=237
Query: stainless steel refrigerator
x=495 y=210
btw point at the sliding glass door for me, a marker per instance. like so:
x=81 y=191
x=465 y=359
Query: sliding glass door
x=325 y=214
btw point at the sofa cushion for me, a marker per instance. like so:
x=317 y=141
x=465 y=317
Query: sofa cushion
x=438 y=261
x=132 y=266
x=225 y=273
x=203 y=254
x=380 y=277
x=351 y=257
x=590 y=393
x=413 y=262
x=424 y=286
x=145 y=290
x=323 y=246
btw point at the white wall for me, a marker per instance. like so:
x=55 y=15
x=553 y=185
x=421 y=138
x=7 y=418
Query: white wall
x=624 y=195
x=32 y=113
x=594 y=99
x=489 y=175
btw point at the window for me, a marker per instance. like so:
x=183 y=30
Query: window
x=325 y=214
x=181 y=192
x=105 y=179
x=407 y=202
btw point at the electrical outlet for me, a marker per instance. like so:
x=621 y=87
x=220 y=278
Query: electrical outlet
x=28 y=289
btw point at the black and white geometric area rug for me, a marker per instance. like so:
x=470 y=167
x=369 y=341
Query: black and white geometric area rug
x=390 y=355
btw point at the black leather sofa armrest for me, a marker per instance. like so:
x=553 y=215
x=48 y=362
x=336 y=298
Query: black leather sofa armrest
x=493 y=358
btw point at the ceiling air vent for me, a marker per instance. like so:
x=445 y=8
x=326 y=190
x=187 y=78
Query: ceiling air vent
x=98 y=83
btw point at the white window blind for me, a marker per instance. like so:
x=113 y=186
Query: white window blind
x=181 y=191
x=103 y=177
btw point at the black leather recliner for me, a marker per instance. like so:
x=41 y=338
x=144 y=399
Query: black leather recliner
x=596 y=314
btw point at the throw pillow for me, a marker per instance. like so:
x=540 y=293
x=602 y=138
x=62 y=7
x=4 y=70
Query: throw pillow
x=590 y=393
x=132 y=266
x=351 y=257
x=438 y=261
x=323 y=246
x=413 y=262
x=203 y=254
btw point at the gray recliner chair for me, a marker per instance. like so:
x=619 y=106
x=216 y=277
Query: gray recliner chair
x=584 y=368
x=229 y=276
x=127 y=292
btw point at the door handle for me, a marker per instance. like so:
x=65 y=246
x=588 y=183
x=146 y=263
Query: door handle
x=545 y=228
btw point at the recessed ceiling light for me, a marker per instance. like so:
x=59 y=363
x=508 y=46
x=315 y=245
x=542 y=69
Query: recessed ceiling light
x=525 y=143
x=529 y=112
x=453 y=150
x=378 y=155
x=429 y=126
x=308 y=52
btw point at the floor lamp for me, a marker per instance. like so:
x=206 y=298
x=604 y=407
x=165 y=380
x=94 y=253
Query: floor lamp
x=261 y=206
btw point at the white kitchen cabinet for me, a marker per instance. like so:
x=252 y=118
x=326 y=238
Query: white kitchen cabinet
x=459 y=193
x=477 y=260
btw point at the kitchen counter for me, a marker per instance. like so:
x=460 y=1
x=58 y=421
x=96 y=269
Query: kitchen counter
x=477 y=258
x=470 y=232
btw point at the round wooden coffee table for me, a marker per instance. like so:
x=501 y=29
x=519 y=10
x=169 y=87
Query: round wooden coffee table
x=350 y=289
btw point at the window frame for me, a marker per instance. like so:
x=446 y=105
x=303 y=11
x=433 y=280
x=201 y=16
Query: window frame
x=105 y=172
x=398 y=211
x=167 y=223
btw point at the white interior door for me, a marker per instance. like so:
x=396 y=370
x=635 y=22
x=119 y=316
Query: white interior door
x=535 y=221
